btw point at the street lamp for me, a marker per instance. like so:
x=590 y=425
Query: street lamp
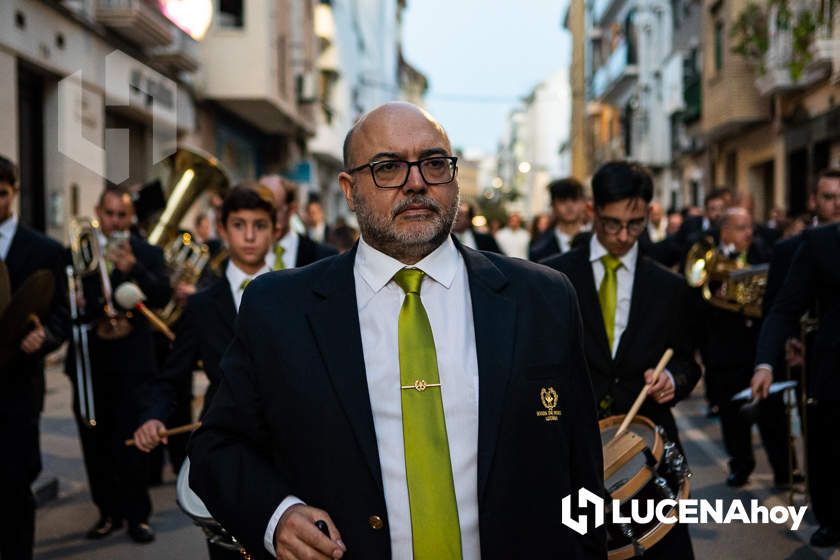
x=524 y=167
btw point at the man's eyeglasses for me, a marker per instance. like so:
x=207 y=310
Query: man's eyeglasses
x=393 y=174
x=613 y=226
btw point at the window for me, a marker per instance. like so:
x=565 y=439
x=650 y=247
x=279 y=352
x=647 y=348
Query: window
x=231 y=14
x=719 y=46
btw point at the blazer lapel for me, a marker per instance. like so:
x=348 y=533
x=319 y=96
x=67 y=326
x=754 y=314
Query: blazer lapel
x=494 y=319
x=223 y=299
x=638 y=304
x=335 y=324
x=590 y=306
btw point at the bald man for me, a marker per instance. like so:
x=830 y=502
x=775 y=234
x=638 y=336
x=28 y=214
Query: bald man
x=420 y=398
x=728 y=351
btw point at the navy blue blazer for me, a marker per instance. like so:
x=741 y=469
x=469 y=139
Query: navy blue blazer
x=292 y=413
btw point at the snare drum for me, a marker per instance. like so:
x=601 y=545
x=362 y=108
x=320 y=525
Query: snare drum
x=191 y=504
x=655 y=471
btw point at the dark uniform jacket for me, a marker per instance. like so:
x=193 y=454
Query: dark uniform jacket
x=292 y=414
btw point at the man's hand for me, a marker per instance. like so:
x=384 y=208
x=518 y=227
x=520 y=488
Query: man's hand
x=122 y=256
x=33 y=341
x=297 y=537
x=147 y=436
x=760 y=384
x=794 y=352
x=183 y=291
x=663 y=390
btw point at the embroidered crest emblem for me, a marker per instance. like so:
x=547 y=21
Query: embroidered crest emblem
x=548 y=397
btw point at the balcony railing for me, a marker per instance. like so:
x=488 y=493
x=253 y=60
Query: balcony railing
x=181 y=54
x=619 y=66
x=140 y=21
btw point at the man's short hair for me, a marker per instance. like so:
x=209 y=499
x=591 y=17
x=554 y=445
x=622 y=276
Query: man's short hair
x=567 y=188
x=348 y=144
x=8 y=171
x=115 y=190
x=718 y=193
x=621 y=180
x=832 y=173
x=249 y=196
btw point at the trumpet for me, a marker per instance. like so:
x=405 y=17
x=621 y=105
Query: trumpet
x=725 y=283
x=186 y=258
x=89 y=259
x=84 y=380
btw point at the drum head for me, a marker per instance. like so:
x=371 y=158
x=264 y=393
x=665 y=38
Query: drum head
x=189 y=500
x=646 y=430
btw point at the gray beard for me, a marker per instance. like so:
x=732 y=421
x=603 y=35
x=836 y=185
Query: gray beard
x=379 y=232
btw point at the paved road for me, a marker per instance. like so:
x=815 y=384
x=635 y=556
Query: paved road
x=61 y=523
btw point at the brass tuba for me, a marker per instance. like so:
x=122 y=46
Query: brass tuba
x=193 y=172
x=724 y=282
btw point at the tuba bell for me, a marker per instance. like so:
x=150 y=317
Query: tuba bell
x=724 y=282
x=193 y=173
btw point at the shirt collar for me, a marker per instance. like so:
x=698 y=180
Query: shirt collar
x=288 y=241
x=596 y=251
x=377 y=269
x=235 y=275
x=9 y=227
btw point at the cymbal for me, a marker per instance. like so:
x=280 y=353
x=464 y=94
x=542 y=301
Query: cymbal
x=5 y=286
x=34 y=297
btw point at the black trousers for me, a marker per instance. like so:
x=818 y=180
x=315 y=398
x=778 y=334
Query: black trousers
x=117 y=474
x=823 y=458
x=17 y=473
x=773 y=427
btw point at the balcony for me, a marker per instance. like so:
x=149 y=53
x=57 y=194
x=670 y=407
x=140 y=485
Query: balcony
x=139 y=21
x=611 y=80
x=825 y=49
x=783 y=72
x=180 y=55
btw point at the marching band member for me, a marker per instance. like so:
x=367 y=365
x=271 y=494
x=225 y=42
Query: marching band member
x=632 y=309
x=247 y=225
x=813 y=282
x=728 y=350
x=24 y=251
x=393 y=392
x=291 y=249
x=120 y=368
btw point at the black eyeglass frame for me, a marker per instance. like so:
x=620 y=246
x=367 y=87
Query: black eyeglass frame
x=640 y=223
x=452 y=159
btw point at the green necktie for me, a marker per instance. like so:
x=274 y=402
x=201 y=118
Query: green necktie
x=435 y=530
x=279 y=251
x=608 y=294
x=244 y=283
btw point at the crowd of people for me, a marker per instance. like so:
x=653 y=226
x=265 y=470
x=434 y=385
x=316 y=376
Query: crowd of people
x=346 y=391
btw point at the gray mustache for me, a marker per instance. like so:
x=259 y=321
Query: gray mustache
x=422 y=201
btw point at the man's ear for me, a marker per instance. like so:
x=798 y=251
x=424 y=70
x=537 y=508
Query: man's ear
x=345 y=181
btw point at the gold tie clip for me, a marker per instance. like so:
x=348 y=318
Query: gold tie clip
x=420 y=385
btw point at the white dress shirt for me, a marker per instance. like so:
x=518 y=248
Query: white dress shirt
x=235 y=277
x=564 y=240
x=513 y=242
x=624 y=275
x=658 y=233
x=467 y=238
x=446 y=297
x=290 y=243
x=7 y=233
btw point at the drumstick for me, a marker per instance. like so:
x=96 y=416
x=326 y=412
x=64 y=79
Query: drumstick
x=660 y=367
x=172 y=432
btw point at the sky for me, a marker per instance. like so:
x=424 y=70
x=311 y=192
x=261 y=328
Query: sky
x=481 y=57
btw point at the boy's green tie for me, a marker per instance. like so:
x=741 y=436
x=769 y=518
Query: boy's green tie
x=608 y=294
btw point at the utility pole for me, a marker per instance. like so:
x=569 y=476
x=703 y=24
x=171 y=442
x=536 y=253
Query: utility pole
x=579 y=133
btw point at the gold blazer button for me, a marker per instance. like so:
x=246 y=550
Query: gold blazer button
x=375 y=522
